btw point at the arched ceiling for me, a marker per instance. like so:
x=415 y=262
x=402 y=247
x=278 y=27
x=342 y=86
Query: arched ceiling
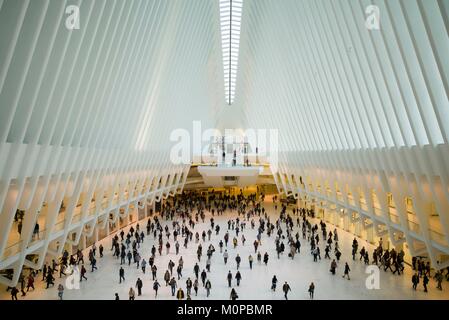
x=86 y=114
x=313 y=70
x=134 y=71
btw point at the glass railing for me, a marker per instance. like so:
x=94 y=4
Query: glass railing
x=438 y=237
x=413 y=226
x=76 y=218
x=12 y=249
x=364 y=206
x=377 y=211
x=15 y=248
x=59 y=226
x=394 y=218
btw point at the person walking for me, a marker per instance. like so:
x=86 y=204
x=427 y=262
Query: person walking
x=83 y=273
x=208 y=286
x=233 y=295
x=265 y=258
x=49 y=279
x=238 y=277
x=60 y=291
x=274 y=281
x=238 y=260
x=156 y=286
x=196 y=270
x=132 y=294
x=14 y=292
x=139 y=285
x=93 y=264
x=189 y=285
x=346 y=273
x=30 y=282
x=415 y=280
x=167 y=278
x=333 y=267
x=195 y=286
x=180 y=294
x=439 y=278
x=286 y=288
x=425 y=282
x=154 y=271
x=203 y=277
x=173 y=286
x=121 y=274
x=250 y=259
x=229 y=278
x=225 y=256
x=311 y=290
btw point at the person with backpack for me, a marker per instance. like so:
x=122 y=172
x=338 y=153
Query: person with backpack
x=156 y=286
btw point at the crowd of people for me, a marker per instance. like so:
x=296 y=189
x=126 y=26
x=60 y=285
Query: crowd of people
x=173 y=229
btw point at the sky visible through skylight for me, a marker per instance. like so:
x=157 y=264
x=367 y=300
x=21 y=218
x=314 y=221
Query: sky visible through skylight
x=230 y=20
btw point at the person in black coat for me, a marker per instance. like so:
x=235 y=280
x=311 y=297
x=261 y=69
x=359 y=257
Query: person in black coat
x=139 y=285
x=121 y=274
x=234 y=295
x=415 y=280
x=238 y=277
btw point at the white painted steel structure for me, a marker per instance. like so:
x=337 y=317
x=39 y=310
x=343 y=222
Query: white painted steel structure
x=86 y=115
x=363 y=115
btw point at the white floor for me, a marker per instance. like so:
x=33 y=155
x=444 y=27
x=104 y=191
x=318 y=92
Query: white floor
x=103 y=283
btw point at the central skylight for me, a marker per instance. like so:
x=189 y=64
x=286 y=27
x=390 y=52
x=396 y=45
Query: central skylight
x=230 y=16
